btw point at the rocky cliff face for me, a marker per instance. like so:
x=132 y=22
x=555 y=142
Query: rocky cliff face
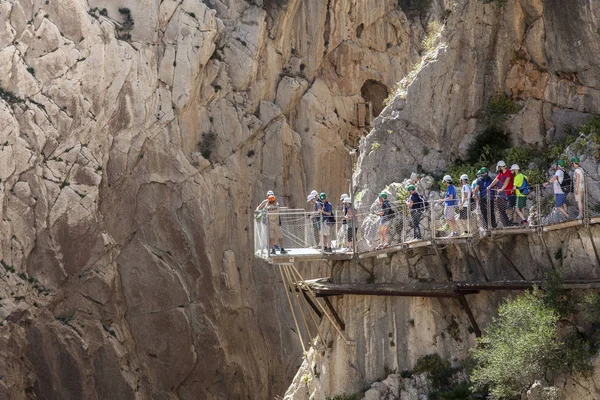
x=136 y=138
x=540 y=53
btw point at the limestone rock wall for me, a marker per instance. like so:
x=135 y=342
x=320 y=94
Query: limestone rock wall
x=136 y=138
x=540 y=52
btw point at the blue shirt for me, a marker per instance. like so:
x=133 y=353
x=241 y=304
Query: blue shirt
x=451 y=191
x=327 y=207
x=483 y=182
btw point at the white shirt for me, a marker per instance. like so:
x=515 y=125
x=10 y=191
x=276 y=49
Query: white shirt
x=560 y=175
x=578 y=171
x=466 y=193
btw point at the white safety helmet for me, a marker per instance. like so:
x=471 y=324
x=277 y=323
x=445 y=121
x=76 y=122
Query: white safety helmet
x=514 y=167
x=447 y=178
x=346 y=200
x=270 y=193
x=314 y=193
x=464 y=177
x=310 y=198
x=500 y=164
x=342 y=197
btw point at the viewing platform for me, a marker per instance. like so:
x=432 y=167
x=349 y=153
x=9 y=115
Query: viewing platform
x=304 y=239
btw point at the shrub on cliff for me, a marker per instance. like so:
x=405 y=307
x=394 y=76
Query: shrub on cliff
x=532 y=336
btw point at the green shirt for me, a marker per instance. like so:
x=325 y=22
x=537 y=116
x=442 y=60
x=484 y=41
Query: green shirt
x=518 y=182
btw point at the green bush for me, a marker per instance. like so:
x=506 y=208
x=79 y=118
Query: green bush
x=488 y=146
x=440 y=371
x=523 y=344
x=518 y=347
x=414 y=8
x=498 y=109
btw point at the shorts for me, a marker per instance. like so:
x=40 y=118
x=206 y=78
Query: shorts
x=579 y=196
x=275 y=232
x=386 y=222
x=350 y=232
x=464 y=212
x=512 y=201
x=449 y=212
x=521 y=201
x=326 y=229
x=560 y=199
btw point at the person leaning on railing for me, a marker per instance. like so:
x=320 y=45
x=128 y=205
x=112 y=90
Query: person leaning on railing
x=416 y=205
x=315 y=215
x=482 y=188
x=271 y=206
x=505 y=179
x=349 y=217
x=578 y=185
x=560 y=197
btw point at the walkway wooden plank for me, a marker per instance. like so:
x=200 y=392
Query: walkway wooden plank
x=323 y=287
x=562 y=225
x=513 y=231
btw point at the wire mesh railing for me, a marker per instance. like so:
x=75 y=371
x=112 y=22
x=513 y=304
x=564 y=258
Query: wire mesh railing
x=369 y=228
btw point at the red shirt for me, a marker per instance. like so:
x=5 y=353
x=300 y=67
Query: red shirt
x=502 y=177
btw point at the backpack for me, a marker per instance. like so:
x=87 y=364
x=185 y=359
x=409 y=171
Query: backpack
x=422 y=204
x=524 y=188
x=390 y=211
x=567 y=183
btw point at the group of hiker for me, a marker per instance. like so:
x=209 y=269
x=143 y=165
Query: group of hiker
x=505 y=193
x=323 y=220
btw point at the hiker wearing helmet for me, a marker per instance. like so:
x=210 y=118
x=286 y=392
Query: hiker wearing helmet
x=560 y=197
x=466 y=204
x=313 y=198
x=328 y=222
x=343 y=237
x=349 y=219
x=450 y=202
x=579 y=185
x=274 y=222
x=416 y=205
x=504 y=179
x=386 y=215
x=265 y=201
x=486 y=201
x=521 y=190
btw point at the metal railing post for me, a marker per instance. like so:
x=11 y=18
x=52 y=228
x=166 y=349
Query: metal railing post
x=432 y=221
x=306 y=226
x=321 y=231
x=538 y=204
x=354 y=227
x=489 y=211
x=403 y=235
x=584 y=199
x=268 y=244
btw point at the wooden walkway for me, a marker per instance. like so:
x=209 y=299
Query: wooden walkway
x=324 y=287
x=298 y=255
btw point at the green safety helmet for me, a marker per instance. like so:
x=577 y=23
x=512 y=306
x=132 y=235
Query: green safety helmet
x=575 y=160
x=411 y=187
x=383 y=195
x=483 y=170
x=323 y=196
x=561 y=163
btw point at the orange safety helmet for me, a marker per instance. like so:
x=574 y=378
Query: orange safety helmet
x=271 y=199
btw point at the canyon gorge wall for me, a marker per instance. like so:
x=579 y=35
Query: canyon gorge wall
x=137 y=137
